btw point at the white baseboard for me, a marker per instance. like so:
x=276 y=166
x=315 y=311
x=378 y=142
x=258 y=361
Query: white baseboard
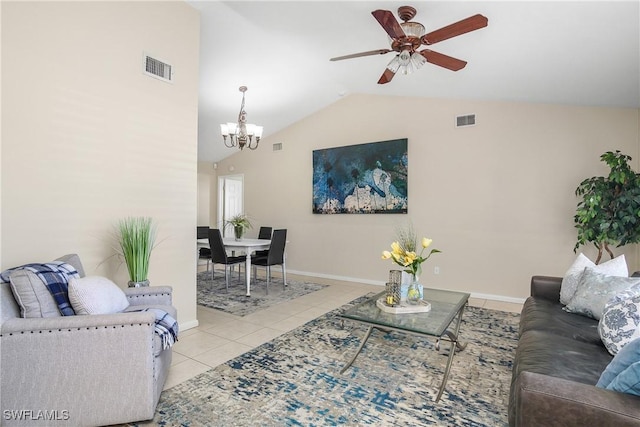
x=183 y=326
x=492 y=297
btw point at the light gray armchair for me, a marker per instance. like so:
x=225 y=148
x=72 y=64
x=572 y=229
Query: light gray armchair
x=85 y=369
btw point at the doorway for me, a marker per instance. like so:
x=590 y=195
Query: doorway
x=230 y=199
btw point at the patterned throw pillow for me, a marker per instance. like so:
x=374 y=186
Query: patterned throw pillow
x=620 y=319
x=595 y=290
x=614 y=267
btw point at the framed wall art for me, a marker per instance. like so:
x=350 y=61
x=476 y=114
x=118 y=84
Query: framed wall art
x=361 y=179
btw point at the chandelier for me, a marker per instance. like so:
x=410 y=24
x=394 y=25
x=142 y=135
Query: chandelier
x=241 y=134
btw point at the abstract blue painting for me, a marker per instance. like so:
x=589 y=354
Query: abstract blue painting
x=363 y=178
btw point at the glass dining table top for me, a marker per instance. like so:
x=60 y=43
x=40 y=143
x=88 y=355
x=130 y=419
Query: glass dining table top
x=445 y=305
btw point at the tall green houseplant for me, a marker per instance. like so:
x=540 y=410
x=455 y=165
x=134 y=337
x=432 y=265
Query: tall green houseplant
x=136 y=236
x=609 y=210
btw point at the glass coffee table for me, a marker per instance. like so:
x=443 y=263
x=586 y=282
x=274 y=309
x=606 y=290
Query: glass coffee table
x=446 y=306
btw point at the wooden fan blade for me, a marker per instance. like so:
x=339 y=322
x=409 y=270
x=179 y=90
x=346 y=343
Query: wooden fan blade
x=472 y=23
x=386 y=76
x=389 y=23
x=445 y=61
x=357 y=55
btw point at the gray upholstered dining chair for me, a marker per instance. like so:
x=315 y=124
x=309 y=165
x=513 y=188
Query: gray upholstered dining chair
x=275 y=256
x=219 y=255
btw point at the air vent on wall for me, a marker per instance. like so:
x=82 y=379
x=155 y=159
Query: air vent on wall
x=466 y=120
x=277 y=146
x=157 y=68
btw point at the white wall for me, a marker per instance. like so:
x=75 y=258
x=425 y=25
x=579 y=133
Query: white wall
x=497 y=198
x=88 y=138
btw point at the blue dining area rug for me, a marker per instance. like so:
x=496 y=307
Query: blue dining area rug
x=294 y=380
x=213 y=294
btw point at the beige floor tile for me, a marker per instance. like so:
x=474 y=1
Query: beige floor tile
x=477 y=302
x=290 y=323
x=264 y=317
x=198 y=343
x=177 y=357
x=259 y=337
x=222 y=354
x=290 y=308
x=235 y=330
x=503 y=306
x=183 y=371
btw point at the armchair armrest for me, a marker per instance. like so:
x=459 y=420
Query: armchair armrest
x=149 y=295
x=543 y=400
x=546 y=287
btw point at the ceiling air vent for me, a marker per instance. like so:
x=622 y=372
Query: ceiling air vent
x=157 y=68
x=466 y=120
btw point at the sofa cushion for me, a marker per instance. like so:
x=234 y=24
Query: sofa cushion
x=614 y=267
x=623 y=373
x=540 y=314
x=32 y=295
x=620 y=320
x=562 y=357
x=595 y=290
x=96 y=295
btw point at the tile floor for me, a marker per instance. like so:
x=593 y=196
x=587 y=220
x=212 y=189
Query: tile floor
x=221 y=336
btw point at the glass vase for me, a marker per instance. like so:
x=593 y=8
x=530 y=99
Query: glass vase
x=413 y=293
x=237 y=231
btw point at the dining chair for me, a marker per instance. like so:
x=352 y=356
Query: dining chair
x=202 y=232
x=264 y=233
x=274 y=257
x=219 y=254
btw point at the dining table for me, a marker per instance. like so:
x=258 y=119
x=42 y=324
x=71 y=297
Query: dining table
x=249 y=246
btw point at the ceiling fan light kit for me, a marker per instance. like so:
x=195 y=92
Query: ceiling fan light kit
x=407 y=37
x=241 y=134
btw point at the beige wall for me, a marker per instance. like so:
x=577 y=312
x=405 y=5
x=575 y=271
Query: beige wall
x=87 y=138
x=497 y=198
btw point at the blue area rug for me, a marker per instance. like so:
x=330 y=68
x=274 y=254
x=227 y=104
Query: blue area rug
x=212 y=293
x=294 y=379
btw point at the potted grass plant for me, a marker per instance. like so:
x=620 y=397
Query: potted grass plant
x=136 y=237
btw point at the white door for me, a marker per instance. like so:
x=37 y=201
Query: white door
x=230 y=199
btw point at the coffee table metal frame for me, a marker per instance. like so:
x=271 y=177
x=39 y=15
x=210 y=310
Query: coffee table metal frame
x=446 y=307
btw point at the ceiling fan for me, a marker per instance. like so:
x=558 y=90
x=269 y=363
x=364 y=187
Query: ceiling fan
x=406 y=39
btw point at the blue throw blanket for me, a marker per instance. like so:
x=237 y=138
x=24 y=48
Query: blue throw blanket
x=55 y=276
x=166 y=326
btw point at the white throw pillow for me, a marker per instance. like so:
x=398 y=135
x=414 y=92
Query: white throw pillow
x=620 y=320
x=96 y=295
x=614 y=267
x=595 y=290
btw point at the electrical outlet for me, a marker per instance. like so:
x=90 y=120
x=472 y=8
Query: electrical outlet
x=436 y=270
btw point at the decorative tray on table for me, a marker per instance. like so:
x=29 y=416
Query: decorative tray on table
x=404 y=307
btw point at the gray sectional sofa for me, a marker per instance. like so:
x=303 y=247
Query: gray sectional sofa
x=82 y=370
x=558 y=361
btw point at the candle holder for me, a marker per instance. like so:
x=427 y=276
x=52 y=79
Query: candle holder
x=393 y=288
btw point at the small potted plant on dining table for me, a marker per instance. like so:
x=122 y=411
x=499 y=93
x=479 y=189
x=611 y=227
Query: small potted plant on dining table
x=240 y=224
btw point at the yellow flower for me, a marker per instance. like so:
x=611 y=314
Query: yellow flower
x=386 y=254
x=426 y=242
x=409 y=257
x=396 y=249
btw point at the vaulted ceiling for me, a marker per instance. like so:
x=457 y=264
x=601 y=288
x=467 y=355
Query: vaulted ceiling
x=560 y=52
